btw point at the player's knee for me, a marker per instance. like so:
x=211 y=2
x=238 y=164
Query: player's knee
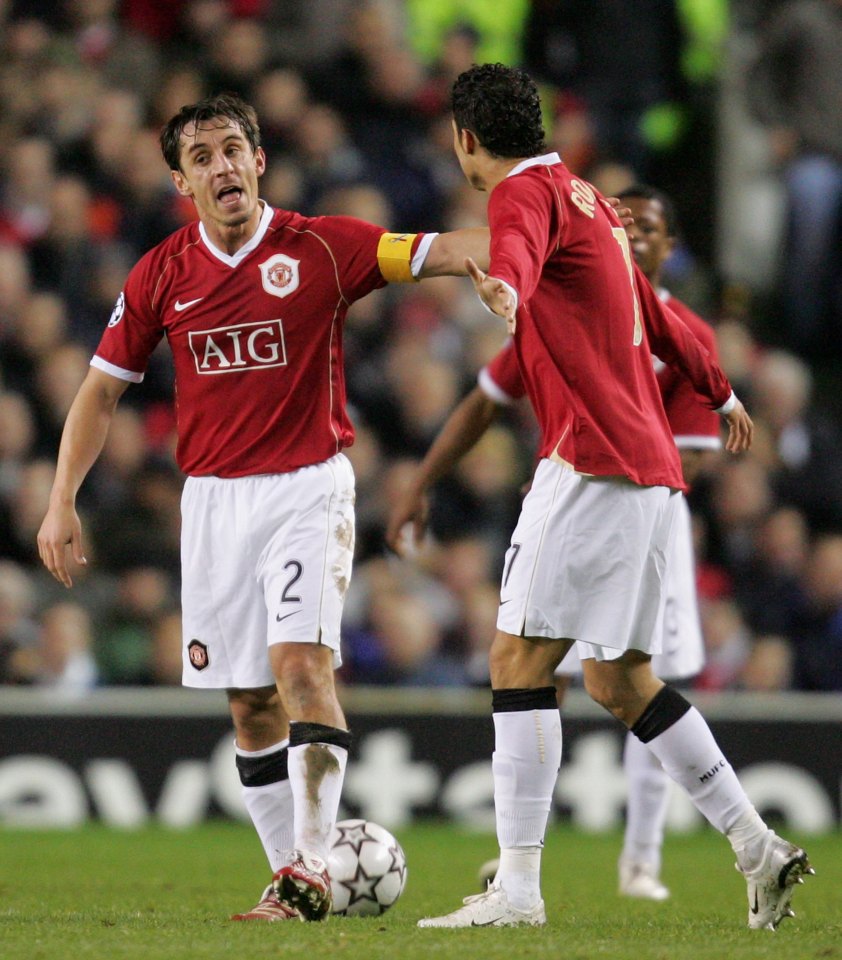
x=608 y=693
x=517 y=662
x=304 y=674
x=258 y=716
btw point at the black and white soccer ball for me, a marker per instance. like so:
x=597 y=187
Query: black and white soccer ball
x=367 y=868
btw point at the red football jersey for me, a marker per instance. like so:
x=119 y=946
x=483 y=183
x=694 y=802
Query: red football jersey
x=586 y=325
x=694 y=426
x=256 y=339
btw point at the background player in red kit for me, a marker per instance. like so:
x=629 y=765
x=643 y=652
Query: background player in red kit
x=252 y=302
x=695 y=429
x=587 y=558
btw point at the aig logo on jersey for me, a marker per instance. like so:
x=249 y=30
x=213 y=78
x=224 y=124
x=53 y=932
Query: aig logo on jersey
x=280 y=275
x=243 y=346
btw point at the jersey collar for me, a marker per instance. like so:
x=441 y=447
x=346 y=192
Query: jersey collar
x=246 y=249
x=546 y=160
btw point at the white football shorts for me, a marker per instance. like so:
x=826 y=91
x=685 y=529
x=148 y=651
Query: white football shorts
x=265 y=559
x=587 y=562
x=682 y=645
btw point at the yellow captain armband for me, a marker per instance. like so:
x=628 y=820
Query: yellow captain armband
x=394 y=257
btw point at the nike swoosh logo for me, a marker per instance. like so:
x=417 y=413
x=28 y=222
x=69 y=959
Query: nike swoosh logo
x=756 y=907
x=278 y=617
x=488 y=923
x=179 y=306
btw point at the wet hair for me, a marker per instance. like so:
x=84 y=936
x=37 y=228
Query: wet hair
x=501 y=106
x=222 y=106
x=642 y=191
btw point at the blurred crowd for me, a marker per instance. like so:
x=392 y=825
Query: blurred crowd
x=352 y=99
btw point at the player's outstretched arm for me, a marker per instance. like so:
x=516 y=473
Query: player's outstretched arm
x=461 y=431
x=82 y=439
x=448 y=252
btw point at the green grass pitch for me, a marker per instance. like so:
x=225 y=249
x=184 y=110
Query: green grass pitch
x=165 y=895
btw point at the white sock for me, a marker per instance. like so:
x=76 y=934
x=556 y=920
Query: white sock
x=270 y=809
x=646 y=808
x=519 y=874
x=691 y=756
x=747 y=838
x=527 y=756
x=316 y=774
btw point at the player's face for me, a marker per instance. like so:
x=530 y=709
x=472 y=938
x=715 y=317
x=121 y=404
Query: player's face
x=650 y=243
x=219 y=171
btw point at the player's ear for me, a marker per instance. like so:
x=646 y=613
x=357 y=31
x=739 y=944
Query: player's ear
x=181 y=183
x=260 y=161
x=468 y=140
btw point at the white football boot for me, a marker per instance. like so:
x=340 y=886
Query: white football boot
x=641 y=880
x=771 y=882
x=489 y=909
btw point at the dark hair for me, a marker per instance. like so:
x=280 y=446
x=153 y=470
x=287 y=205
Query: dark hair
x=500 y=105
x=642 y=191
x=222 y=106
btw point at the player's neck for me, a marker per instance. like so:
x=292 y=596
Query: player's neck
x=497 y=170
x=230 y=238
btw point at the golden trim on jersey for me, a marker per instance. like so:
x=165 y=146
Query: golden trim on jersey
x=394 y=257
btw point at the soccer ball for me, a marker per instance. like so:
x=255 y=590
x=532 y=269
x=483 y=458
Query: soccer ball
x=367 y=868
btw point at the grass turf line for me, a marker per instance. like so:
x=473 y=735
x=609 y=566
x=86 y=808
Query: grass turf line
x=158 y=894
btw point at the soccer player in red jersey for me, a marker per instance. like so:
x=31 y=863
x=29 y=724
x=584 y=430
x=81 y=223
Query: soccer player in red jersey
x=252 y=302
x=588 y=557
x=695 y=429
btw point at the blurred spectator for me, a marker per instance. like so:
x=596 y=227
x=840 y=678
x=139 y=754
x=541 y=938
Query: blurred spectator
x=124 y=642
x=27 y=504
x=482 y=495
x=727 y=645
x=238 y=53
x=767 y=585
x=17 y=435
x=816 y=629
x=796 y=89
x=65 y=659
x=326 y=155
x=141 y=527
x=64 y=257
x=101 y=40
x=768 y=668
x=409 y=645
x=742 y=499
x=28 y=173
x=38 y=330
x=808 y=470
x=18 y=631
x=58 y=377
x=15 y=286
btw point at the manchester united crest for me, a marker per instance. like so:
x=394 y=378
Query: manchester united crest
x=198 y=654
x=279 y=275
